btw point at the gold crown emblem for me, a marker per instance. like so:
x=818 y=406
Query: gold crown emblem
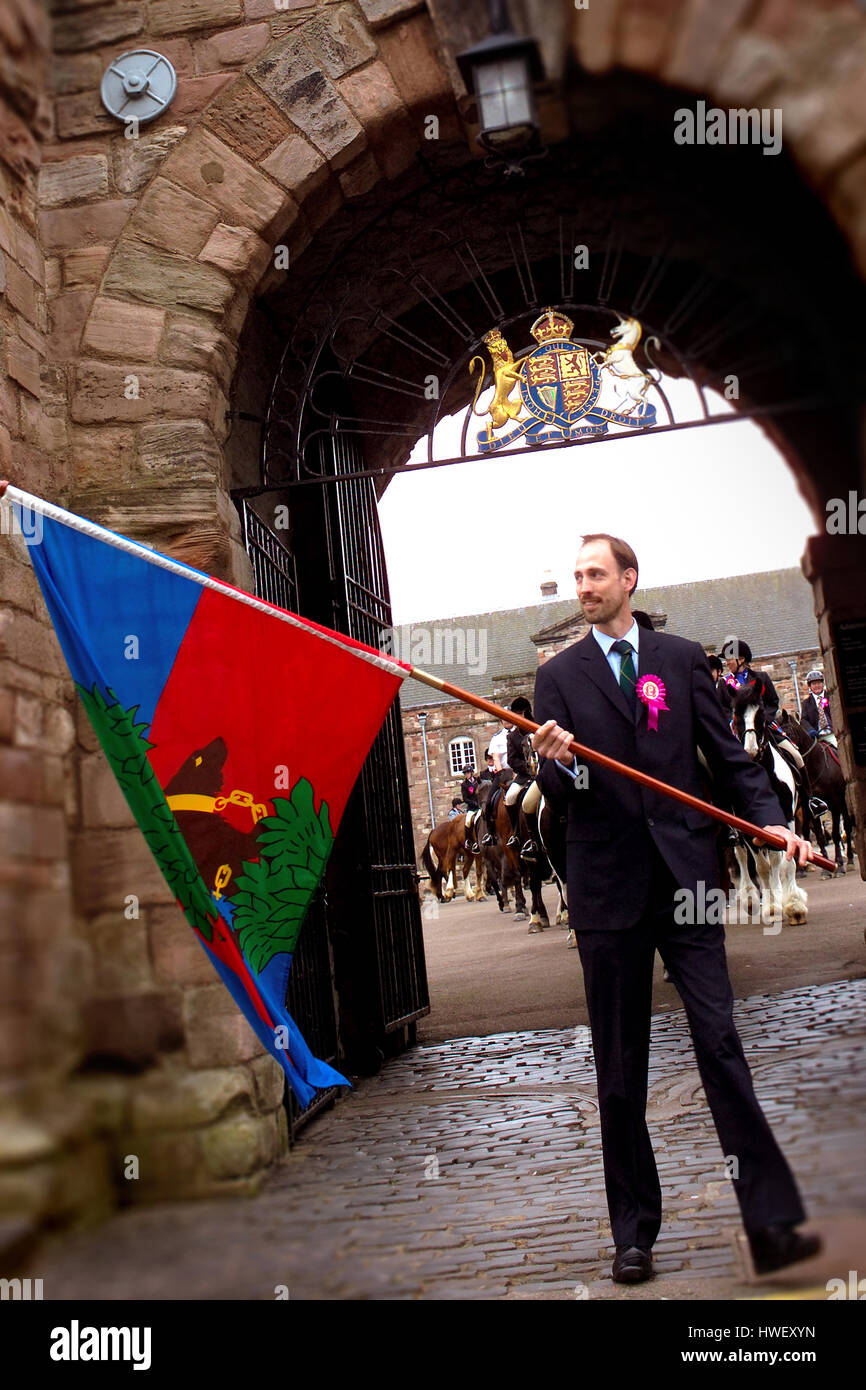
x=551 y=324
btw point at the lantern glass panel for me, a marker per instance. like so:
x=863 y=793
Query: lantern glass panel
x=504 y=94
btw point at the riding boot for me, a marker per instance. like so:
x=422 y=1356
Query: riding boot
x=512 y=841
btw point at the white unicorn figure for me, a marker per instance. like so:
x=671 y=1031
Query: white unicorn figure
x=619 y=370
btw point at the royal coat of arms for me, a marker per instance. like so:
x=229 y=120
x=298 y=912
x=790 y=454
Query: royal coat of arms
x=561 y=390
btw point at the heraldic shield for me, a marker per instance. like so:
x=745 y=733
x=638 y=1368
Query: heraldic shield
x=560 y=390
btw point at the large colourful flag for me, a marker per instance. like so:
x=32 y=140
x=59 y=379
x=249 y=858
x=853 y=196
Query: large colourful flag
x=236 y=731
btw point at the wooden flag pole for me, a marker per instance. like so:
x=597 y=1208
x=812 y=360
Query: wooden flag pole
x=581 y=751
x=509 y=717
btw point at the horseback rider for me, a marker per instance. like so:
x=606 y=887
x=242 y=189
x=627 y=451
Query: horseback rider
x=815 y=715
x=469 y=791
x=519 y=760
x=738 y=657
x=498 y=751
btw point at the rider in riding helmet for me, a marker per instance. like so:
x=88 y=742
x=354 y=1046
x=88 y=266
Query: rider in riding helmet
x=519 y=753
x=815 y=715
x=717 y=666
x=738 y=657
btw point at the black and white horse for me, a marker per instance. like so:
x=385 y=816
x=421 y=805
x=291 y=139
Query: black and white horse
x=782 y=898
x=548 y=867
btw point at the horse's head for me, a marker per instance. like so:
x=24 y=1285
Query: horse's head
x=629 y=330
x=747 y=716
x=482 y=792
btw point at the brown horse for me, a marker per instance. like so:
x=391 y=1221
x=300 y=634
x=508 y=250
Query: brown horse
x=826 y=781
x=510 y=870
x=448 y=841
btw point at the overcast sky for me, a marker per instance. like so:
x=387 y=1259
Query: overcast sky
x=694 y=504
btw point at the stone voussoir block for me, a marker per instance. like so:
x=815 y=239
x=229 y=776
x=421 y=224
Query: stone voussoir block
x=297 y=165
x=118 y=328
x=210 y=169
x=236 y=250
x=173 y=218
x=157 y=277
x=196 y=343
x=339 y=39
x=292 y=78
x=380 y=12
x=246 y=120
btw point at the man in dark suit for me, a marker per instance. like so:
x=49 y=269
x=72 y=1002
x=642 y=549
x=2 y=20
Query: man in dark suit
x=629 y=850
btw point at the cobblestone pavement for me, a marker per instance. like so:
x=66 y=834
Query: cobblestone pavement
x=472 y=1169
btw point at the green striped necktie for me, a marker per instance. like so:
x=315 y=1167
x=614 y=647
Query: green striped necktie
x=627 y=673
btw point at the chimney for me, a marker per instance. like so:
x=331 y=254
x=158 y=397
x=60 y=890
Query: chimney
x=549 y=587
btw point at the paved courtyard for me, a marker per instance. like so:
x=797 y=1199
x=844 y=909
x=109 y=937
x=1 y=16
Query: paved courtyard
x=472 y=1169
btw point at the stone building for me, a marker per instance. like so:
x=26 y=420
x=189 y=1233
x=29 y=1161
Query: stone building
x=772 y=610
x=161 y=286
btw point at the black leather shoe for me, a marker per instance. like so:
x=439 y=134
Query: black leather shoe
x=511 y=842
x=776 y=1247
x=631 y=1265
x=487 y=839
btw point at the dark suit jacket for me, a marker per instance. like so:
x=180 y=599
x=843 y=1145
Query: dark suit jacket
x=810 y=715
x=613 y=823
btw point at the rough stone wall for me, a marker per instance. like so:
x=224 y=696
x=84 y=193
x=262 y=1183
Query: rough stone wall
x=45 y=1165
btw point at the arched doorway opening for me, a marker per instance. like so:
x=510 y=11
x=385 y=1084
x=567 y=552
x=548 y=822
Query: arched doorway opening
x=373 y=331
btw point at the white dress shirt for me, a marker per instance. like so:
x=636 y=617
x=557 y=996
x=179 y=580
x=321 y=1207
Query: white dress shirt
x=614 y=661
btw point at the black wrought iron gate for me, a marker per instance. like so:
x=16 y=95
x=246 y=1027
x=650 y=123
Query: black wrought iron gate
x=358 y=981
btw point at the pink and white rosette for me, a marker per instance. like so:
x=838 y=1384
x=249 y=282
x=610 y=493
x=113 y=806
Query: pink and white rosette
x=651 y=692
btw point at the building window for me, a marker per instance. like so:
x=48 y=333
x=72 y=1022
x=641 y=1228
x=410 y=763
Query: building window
x=461 y=751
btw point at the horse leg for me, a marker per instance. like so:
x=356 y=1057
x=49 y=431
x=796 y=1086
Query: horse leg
x=794 y=901
x=478 y=864
x=849 y=832
x=745 y=895
x=539 y=919
x=838 y=854
x=520 y=913
x=562 y=910
x=767 y=868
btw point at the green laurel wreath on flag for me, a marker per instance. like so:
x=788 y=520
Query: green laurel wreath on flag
x=126 y=748
x=275 y=892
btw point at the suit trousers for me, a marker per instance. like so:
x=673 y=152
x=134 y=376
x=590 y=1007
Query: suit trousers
x=618 y=970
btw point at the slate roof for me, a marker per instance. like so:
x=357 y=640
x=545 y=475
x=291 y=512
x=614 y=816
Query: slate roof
x=772 y=611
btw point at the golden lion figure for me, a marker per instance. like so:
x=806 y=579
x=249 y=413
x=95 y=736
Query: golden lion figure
x=506 y=376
